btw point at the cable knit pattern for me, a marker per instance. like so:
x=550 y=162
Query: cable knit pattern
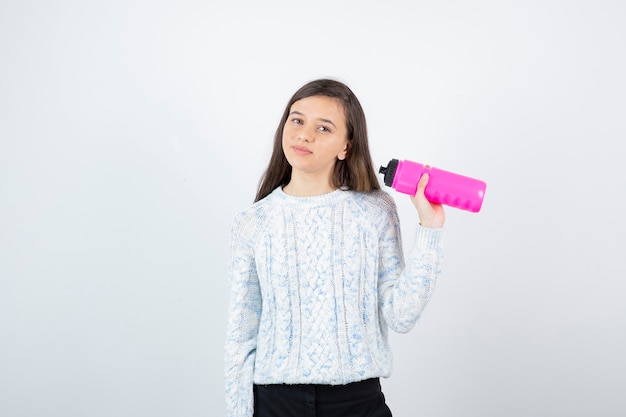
x=315 y=282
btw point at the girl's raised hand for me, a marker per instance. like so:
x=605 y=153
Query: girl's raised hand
x=431 y=215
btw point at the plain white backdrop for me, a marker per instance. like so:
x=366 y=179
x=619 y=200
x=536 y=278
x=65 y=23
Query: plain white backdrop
x=131 y=132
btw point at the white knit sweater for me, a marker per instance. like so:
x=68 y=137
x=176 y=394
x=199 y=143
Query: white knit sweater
x=315 y=282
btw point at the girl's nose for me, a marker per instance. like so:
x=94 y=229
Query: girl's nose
x=306 y=134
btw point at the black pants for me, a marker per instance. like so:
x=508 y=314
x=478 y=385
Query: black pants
x=358 y=399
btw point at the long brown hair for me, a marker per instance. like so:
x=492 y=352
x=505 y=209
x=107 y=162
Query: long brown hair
x=356 y=172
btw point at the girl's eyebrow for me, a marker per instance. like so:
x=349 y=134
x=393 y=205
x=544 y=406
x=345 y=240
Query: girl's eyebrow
x=329 y=121
x=323 y=120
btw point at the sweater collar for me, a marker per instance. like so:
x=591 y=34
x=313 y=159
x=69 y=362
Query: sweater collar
x=317 y=200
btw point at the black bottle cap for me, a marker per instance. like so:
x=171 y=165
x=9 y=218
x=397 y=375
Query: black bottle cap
x=389 y=172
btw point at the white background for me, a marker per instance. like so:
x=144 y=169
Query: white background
x=131 y=132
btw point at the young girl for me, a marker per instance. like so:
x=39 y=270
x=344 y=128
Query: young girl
x=317 y=272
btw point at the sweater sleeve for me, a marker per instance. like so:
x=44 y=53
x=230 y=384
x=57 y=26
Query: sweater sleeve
x=243 y=322
x=405 y=288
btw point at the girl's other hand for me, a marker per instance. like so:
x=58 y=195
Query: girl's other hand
x=431 y=215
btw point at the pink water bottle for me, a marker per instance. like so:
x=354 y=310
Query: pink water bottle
x=443 y=187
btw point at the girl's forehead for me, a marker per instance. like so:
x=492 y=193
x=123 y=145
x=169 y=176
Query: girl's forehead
x=317 y=104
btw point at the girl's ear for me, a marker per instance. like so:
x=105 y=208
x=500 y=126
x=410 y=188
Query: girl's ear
x=344 y=153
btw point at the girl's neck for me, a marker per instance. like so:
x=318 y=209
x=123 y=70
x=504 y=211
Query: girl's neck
x=300 y=187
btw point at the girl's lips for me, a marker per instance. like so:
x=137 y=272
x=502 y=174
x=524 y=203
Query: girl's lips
x=301 y=151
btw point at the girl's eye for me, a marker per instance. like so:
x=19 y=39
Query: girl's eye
x=296 y=121
x=324 y=129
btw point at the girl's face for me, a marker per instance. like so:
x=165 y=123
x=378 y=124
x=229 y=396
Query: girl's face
x=315 y=136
